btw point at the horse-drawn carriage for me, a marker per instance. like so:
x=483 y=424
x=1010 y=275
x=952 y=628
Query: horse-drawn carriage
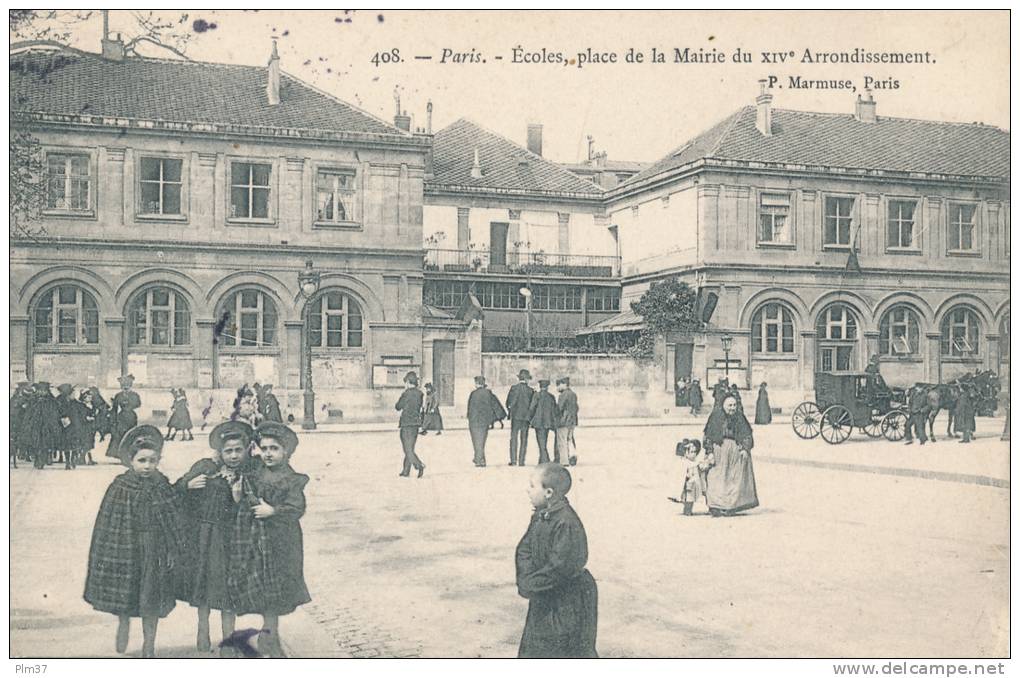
x=847 y=400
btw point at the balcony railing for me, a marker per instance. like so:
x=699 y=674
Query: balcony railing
x=522 y=263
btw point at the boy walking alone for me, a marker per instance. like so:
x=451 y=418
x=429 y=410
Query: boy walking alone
x=562 y=596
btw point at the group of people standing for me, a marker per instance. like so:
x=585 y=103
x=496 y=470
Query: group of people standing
x=526 y=407
x=225 y=536
x=46 y=429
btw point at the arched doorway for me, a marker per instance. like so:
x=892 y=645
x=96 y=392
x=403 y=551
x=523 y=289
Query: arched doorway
x=839 y=335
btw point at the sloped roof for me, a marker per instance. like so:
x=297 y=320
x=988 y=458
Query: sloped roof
x=505 y=165
x=76 y=83
x=624 y=321
x=829 y=140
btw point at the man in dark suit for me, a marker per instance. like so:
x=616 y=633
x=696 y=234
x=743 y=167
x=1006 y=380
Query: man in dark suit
x=567 y=410
x=484 y=409
x=543 y=417
x=518 y=406
x=410 y=407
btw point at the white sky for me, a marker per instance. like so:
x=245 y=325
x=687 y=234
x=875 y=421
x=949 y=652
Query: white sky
x=634 y=111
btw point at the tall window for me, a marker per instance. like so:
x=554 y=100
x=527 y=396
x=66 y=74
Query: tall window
x=961 y=228
x=772 y=329
x=899 y=332
x=335 y=321
x=837 y=339
x=774 y=219
x=838 y=220
x=66 y=315
x=249 y=190
x=68 y=182
x=500 y=295
x=335 y=189
x=556 y=298
x=250 y=320
x=603 y=299
x=960 y=333
x=160 y=186
x=900 y=229
x=159 y=316
x=446 y=293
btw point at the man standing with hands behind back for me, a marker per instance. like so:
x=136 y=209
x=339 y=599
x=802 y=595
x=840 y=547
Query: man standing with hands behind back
x=483 y=410
x=518 y=406
x=567 y=408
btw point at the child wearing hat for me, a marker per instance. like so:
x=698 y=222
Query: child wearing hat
x=211 y=490
x=694 y=465
x=138 y=542
x=266 y=573
x=180 y=416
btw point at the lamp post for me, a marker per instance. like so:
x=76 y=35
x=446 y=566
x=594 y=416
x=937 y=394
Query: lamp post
x=727 y=344
x=526 y=293
x=308 y=281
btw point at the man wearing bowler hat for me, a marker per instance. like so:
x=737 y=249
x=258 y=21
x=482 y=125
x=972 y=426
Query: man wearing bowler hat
x=484 y=409
x=543 y=418
x=518 y=406
x=410 y=407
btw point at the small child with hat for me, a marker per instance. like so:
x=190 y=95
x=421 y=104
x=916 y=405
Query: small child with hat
x=138 y=543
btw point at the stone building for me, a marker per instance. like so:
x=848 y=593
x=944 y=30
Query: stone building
x=182 y=202
x=823 y=239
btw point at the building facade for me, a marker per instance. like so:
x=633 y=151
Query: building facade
x=182 y=202
x=821 y=240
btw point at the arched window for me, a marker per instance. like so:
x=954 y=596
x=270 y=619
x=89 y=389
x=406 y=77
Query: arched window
x=249 y=320
x=961 y=333
x=335 y=321
x=772 y=329
x=1004 y=337
x=899 y=332
x=837 y=339
x=159 y=316
x=66 y=315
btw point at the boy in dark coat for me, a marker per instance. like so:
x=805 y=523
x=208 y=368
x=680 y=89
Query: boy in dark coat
x=963 y=415
x=543 y=416
x=562 y=596
x=518 y=406
x=410 y=406
x=696 y=397
x=72 y=418
x=484 y=409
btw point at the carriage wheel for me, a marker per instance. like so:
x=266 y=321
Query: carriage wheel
x=894 y=426
x=873 y=429
x=807 y=420
x=837 y=424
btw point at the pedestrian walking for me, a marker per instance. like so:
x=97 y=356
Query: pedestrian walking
x=550 y=561
x=180 y=416
x=101 y=412
x=963 y=414
x=484 y=409
x=763 y=409
x=269 y=405
x=696 y=397
x=138 y=542
x=433 y=420
x=917 y=408
x=728 y=436
x=410 y=406
x=88 y=440
x=122 y=414
x=694 y=465
x=567 y=410
x=543 y=417
x=720 y=391
x=518 y=407
x=211 y=491
x=43 y=431
x=266 y=573
x=72 y=419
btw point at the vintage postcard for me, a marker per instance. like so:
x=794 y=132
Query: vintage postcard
x=496 y=334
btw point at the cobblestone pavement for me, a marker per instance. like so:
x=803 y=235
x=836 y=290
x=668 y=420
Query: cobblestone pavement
x=846 y=554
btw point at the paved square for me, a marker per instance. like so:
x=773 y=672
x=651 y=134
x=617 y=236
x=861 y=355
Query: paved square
x=865 y=549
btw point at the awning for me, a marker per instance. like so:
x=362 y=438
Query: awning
x=627 y=321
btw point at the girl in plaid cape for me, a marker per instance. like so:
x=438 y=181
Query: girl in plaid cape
x=211 y=490
x=138 y=542
x=266 y=574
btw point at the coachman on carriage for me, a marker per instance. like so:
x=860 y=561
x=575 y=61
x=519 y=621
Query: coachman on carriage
x=847 y=400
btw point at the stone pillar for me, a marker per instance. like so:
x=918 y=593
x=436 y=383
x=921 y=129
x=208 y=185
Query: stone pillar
x=292 y=339
x=205 y=354
x=808 y=358
x=933 y=364
x=870 y=345
x=564 y=233
x=463 y=228
x=992 y=355
x=112 y=357
x=20 y=355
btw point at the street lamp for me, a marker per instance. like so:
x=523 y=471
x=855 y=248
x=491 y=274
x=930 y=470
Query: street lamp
x=308 y=281
x=727 y=344
x=526 y=293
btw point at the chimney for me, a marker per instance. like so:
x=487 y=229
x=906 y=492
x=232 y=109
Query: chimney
x=428 y=117
x=535 y=138
x=476 y=168
x=865 y=111
x=113 y=48
x=403 y=121
x=764 y=118
x=591 y=147
x=273 y=78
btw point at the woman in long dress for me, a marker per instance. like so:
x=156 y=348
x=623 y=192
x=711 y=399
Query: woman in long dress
x=731 y=486
x=763 y=408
